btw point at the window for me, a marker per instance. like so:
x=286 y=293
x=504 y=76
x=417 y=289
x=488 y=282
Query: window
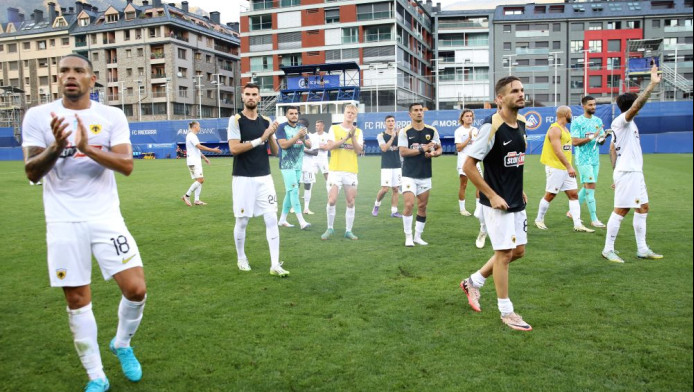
x=128 y=53
x=576 y=82
x=84 y=22
x=126 y=35
x=14 y=65
x=377 y=33
x=595 y=63
x=595 y=81
x=95 y=56
x=198 y=56
x=507 y=46
x=65 y=41
x=595 y=26
x=51 y=42
x=208 y=59
x=182 y=72
x=614 y=25
x=12 y=48
x=556 y=9
x=513 y=11
x=633 y=24
x=556 y=26
x=541 y=79
x=129 y=72
x=655 y=23
x=112 y=18
x=261 y=22
x=507 y=28
x=264 y=42
x=350 y=35
x=613 y=63
x=182 y=53
x=140 y=52
x=523 y=62
x=614 y=45
x=542 y=44
x=576 y=46
x=542 y=62
x=287 y=40
x=374 y=11
x=522 y=27
x=291 y=59
x=595 y=46
x=556 y=79
x=540 y=9
x=556 y=44
x=262 y=63
x=26 y=45
x=332 y=15
x=576 y=26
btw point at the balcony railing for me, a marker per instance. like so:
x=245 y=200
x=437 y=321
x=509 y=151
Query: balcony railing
x=462 y=25
x=158 y=75
x=158 y=94
x=532 y=33
x=532 y=51
x=80 y=44
x=375 y=15
x=378 y=37
x=157 y=55
x=677 y=29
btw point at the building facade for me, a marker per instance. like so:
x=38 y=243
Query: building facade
x=391 y=40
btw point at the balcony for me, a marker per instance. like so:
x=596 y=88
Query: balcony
x=462 y=25
x=374 y=15
x=378 y=37
x=678 y=46
x=678 y=29
x=532 y=33
x=532 y=51
x=532 y=68
x=157 y=55
x=158 y=75
x=80 y=44
x=158 y=94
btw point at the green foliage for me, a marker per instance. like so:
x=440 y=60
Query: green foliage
x=366 y=315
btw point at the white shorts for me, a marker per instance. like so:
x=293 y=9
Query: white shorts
x=195 y=171
x=460 y=162
x=629 y=189
x=321 y=163
x=558 y=180
x=308 y=177
x=461 y=172
x=415 y=185
x=506 y=230
x=341 y=178
x=253 y=196
x=72 y=244
x=391 y=177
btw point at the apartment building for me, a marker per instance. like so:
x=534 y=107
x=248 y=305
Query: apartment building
x=391 y=41
x=160 y=62
x=29 y=52
x=563 y=51
x=464 y=59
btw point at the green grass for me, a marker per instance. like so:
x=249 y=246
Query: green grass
x=367 y=315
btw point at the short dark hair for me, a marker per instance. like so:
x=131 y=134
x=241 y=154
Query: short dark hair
x=79 y=56
x=303 y=121
x=587 y=98
x=413 y=104
x=190 y=124
x=288 y=108
x=501 y=83
x=251 y=85
x=390 y=116
x=625 y=101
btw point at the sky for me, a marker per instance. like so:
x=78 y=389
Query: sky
x=230 y=9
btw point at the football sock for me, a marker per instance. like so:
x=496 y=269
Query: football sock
x=612 y=231
x=192 y=188
x=84 y=334
x=349 y=218
x=419 y=226
x=377 y=203
x=542 y=210
x=331 y=215
x=640 y=231
x=407 y=224
x=461 y=204
x=129 y=317
x=505 y=306
x=575 y=209
x=478 y=209
x=300 y=218
x=240 y=236
x=483 y=227
x=307 y=198
x=272 y=234
x=477 y=279
x=582 y=195
x=283 y=216
x=393 y=209
x=197 y=192
x=590 y=201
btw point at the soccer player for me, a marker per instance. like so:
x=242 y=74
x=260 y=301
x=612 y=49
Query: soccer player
x=501 y=146
x=253 y=192
x=561 y=176
x=627 y=161
x=391 y=167
x=346 y=142
x=463 y=137
x=76 y=144
x=193 y=159
x=291 y=137
x=586 y=130
x=315 y=159
x=418 y=143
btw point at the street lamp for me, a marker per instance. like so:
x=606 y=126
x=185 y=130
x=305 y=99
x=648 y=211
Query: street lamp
x=122 y=95
x=554 y=56
x=510 y=61
x=139 y=100
x=219 y=101
x=168 y=112
x=199 y=85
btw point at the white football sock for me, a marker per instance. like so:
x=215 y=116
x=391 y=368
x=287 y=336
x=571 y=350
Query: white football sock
x=477 y=279
x=192 y=188
x=483 y=227
x=377 y=203
x=542 y=210
x=300 y=217
x=129 y=318
x=240 y=236
x=197 y=192
x=461 y=204
x=418 y=229
x=393 y=210
x=283 y=217
x=407 y=224
x=505 y=306
x=272 y=233
x=640 y=231
x=575 y=209
x=84 y=334
x=612 y=231
x=349 y=218
x=307 y=198
x=331 y=210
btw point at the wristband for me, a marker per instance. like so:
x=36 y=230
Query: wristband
x=421 y=150
x=592 y=136
x=256 y=142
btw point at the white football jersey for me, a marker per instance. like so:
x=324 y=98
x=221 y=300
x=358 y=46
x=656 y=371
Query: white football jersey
x=78 y=189
x=193 y=154
x=460 y=136
x=322 y=141
x=628 y=145
x=307 y=163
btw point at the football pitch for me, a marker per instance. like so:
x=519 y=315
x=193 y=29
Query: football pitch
x=366 y=315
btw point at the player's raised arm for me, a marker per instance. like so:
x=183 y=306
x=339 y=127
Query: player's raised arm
x=643 y=97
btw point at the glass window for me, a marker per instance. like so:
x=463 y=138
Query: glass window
x=261 y=22
x=595 y=46
x=614 y=45
x=332 y=15
x=595 y=81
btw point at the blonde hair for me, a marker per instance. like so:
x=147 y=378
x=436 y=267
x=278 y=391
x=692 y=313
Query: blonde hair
x=351 y=106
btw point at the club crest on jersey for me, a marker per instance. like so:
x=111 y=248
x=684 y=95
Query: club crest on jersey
x=514 y=159
x=428 y=137
x=95 y=128
x=60 y=273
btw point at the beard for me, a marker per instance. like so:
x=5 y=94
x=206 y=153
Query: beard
x=250 y=105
